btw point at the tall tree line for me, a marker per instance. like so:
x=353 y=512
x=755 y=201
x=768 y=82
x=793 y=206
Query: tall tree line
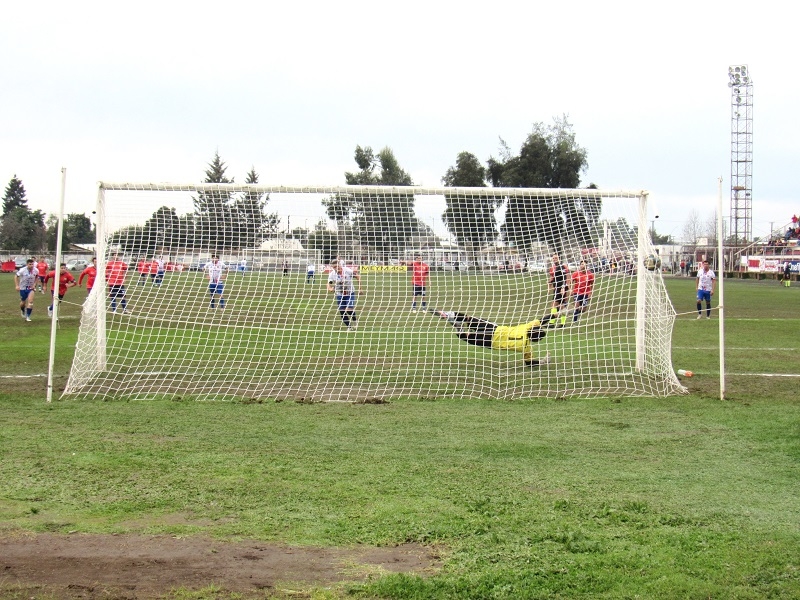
x=222 y=220
x=550 y=157
x=23 y=229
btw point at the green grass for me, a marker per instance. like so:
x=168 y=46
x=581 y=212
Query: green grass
x=681 y=497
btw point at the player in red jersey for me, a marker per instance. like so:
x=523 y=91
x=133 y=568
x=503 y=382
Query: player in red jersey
x=90 y=273
x=582 y=284
x=115 y=277
x=41 y=266
x=65 y=280
x=420 y=274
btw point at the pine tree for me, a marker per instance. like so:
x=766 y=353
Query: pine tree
x=14 y=196
x=213 y=210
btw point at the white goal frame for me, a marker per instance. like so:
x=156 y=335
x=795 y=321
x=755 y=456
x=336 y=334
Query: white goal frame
x=648 y=284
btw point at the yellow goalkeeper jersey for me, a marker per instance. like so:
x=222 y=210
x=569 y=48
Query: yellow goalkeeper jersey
x=515 y=338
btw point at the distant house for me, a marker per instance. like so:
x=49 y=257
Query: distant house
x=87 y=248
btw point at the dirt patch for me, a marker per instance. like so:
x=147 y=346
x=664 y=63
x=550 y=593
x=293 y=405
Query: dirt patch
x=141 y=566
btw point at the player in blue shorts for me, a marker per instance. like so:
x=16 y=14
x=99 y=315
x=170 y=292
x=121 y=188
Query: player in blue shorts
x=706 y=286
x=25 y=281
x=215 y=273
x=340 y=281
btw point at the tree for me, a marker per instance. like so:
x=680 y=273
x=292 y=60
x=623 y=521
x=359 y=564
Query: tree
x=160 y=231
x=549 y=158
x=692 y=228
x=325 y=241
x=14 y=196
x=212 y=209
x=383 y=224
x=468 y=172
x=469 y=218
x=660 y=239
x=20 y=227
x=77 y=229
x=253 y=225
x=226 y=221
x=131 y=240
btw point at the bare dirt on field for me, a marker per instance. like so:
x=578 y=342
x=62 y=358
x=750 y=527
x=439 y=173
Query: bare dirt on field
x=140 y=566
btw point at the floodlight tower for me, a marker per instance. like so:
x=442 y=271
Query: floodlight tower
x=741 y=228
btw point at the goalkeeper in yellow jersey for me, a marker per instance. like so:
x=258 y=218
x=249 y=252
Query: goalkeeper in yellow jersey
x=480 y=332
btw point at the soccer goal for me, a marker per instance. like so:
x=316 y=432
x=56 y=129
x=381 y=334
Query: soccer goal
x=225 y=291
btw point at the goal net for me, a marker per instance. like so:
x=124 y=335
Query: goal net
x=225 y=291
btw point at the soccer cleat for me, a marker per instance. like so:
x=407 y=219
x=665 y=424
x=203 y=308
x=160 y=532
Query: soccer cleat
x=699 y=317
x=28 y=319
x=22 y=312
x=125 y=311
x=545 y=360
x=413 y=310
x=113 y=311
x=708 y=317
x=49 y=312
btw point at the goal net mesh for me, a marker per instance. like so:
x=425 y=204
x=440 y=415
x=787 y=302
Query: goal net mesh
x=464 y=292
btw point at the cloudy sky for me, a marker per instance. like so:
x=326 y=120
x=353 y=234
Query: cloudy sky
x=149 y=91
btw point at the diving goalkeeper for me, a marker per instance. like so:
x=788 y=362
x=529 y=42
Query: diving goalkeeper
x=480 y=332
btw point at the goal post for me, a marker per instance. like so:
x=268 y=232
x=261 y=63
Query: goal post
x=227 y=291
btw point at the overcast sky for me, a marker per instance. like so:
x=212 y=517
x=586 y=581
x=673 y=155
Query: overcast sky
x=149 y=91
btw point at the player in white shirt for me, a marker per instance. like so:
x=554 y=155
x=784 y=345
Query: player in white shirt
x=25 y=281
x=160 y=270
x=311 y=270
x=340 y=281
x=215 y=272
x=706 y=286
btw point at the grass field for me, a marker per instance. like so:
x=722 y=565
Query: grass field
x=682 y=497
x=279 y=338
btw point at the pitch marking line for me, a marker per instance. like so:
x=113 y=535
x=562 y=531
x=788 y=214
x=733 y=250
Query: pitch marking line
x=738 y=348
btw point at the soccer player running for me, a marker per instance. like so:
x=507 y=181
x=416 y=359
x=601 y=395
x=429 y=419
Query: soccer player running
x=483 y=333
x=215 y=272
x=115 y=278
x=340 y=282
x=41 y=266
x=420 y=273
x=582 y=285
x=65 y=280
x=25 y=282
x=558 y=286
x=90 y=273
x=706 y=286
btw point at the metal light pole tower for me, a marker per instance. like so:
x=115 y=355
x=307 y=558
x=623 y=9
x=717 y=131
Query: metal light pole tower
x=741 y=85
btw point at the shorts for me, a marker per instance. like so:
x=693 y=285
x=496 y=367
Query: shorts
x=23 y=294
x=559 y=297
x=704 y=295
x=346 y=303
x=116 y=291
x=419 y=290
x=216 y=288
x=582 y=300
